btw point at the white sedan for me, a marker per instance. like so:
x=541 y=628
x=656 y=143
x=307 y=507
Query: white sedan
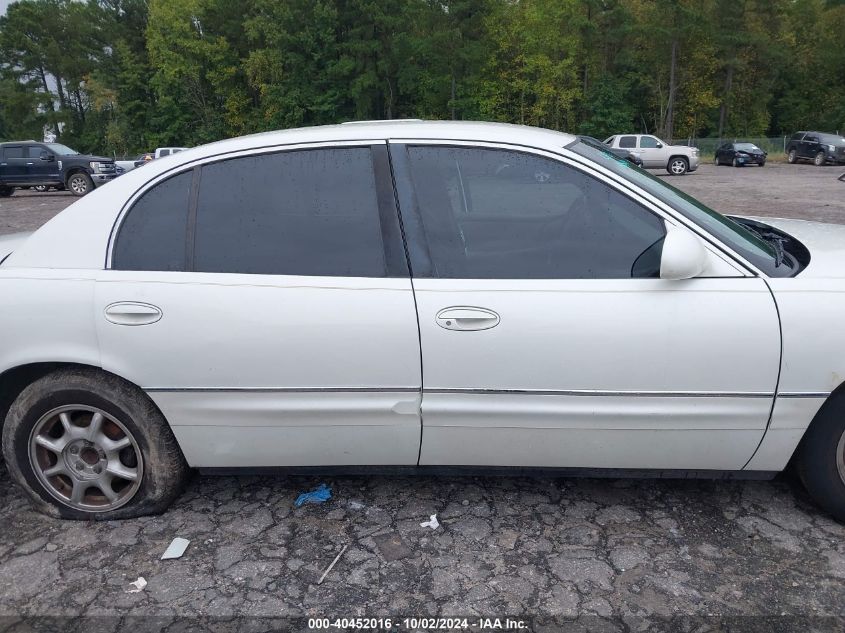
x=416 y=295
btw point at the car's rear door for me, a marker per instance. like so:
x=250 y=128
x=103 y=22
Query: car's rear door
x=13 y=163
x=547 y=338
x=264 y=303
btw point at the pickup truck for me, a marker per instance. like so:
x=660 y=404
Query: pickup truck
x=655 y=154
x=34 y=164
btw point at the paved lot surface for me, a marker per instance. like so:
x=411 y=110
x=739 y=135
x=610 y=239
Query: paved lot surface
x=506 y=545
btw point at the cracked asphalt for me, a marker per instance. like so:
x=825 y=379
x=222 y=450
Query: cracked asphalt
x=577 y=549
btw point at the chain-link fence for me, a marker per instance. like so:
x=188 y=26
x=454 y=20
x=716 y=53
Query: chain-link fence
x=770 y=145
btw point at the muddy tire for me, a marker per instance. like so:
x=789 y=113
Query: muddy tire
x=820 y=159
x=791 y=157
x=79 y=184
x=85 y=444
x=820 y=460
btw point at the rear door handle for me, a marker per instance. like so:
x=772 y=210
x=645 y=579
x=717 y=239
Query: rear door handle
x=467 y=318
x=132 y=313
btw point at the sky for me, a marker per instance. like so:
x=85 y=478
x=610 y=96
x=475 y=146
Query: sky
x=3 y=5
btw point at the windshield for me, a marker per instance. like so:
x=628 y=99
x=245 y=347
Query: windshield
x=62 y=150
x=746 y=147
x=750 y=245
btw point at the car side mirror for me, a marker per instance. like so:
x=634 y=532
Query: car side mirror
x=659 y=145
x=684 y=255
x=47 y=156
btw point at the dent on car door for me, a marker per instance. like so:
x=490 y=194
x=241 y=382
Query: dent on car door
x=548 y=338
x=265 y=305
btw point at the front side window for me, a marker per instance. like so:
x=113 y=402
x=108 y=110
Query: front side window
x=649 y=142
x=154 y=233
x=760 y=252
x=300 y=212
x=498 y=214
x=34 y=151
x=628 y=142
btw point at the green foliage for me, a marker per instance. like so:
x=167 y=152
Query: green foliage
x=123 y=76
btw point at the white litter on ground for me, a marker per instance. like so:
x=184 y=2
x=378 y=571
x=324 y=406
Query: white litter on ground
x=138 y=584
x=176 y=548
x=433 y=523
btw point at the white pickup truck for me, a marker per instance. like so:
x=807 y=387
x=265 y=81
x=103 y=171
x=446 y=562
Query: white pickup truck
x=655 y=154
x=129 y=165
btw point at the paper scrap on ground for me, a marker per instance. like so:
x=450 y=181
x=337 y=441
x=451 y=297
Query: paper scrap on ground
x=433 y=523
x=318 y=495
x=138 y=584
x=176 y=548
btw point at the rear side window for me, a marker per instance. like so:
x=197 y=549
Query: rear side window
x=154 y=233
x=628 y=141
x=13 y=151
x=302 y=212
x=500 y=214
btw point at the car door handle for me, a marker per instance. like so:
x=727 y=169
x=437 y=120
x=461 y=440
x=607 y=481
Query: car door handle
x=132 y=313
x=467 y=318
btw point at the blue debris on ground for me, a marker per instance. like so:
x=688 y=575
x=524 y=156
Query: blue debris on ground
x=320 y=494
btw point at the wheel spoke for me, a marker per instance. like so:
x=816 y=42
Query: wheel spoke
x=58 y=469
x=117 y=469
x=95 y=427
x=65 y=420
x=79 y=489
x=106 y=489
x=54 y=446
x=112 y=447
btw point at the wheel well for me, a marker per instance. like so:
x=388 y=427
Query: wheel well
x=15 y=380
x=674 y=156
x=74 y=170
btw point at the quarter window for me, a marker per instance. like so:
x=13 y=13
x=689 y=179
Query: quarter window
x=491 y=214
x=154 y=234
x=628 y=142
x=301 y=212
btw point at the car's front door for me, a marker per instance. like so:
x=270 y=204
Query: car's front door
x=810 y=146
x=264 y=303
x=40 y=166
x=548 y=338
x=653 y=152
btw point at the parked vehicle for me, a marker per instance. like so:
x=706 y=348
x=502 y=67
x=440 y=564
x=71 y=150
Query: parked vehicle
x=655 y=154
x=129 y=165
x=621 y=153
x=33 y=164
x=569 y=311
x=739 y=155
x=158 y=153
x=819 y=147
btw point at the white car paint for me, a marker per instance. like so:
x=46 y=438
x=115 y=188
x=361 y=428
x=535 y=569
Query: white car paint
x=255 y=370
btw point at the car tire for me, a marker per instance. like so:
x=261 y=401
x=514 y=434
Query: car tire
x=820 y=159
x=716 y=162
x=820 y=460
x=678 y=166
x=85 y=444
x=791 y=156
x=41 y=188
x=734 y=163
x=80 y=183
x=5 y=192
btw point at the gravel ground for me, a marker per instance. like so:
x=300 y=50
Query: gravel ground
x=581 y=549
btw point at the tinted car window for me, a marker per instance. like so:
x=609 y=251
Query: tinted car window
x=153 y=235
x=491 y=214
x=13 y=151
x=627 y=141
x=34 y=151
x=648 y=142
x=305 y=212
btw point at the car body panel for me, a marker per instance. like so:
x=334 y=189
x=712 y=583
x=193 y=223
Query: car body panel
x=635 y=373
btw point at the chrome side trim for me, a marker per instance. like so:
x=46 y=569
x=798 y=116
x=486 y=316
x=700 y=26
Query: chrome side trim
x=532 y=392
x=603 y=393
x=289 y=390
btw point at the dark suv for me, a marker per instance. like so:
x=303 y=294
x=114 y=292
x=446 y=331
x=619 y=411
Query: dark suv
x=33 y=164
x=819 y=147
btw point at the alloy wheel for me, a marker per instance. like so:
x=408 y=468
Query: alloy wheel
x=85 y=458
x=78 y=185
x=678 y=167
